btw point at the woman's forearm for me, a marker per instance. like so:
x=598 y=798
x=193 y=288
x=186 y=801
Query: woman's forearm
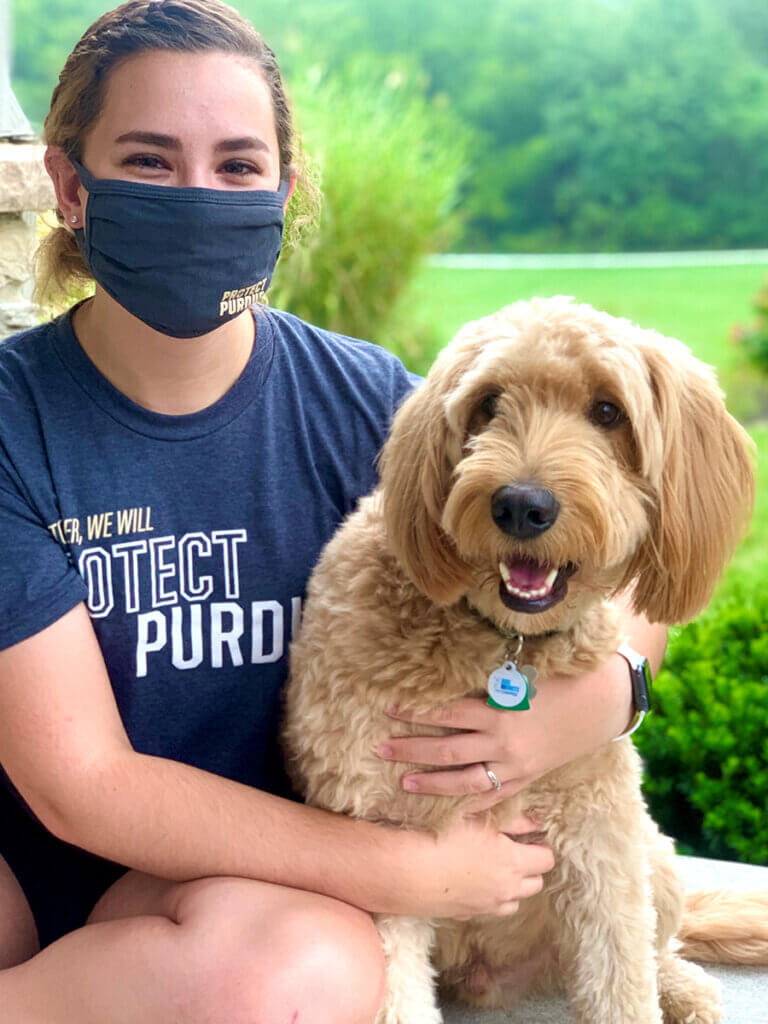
x=179 y=822
x=175 y=821
x=607 y=690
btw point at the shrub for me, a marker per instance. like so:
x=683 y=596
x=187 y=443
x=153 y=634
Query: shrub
x=753 y=339
x=390 y=163
x=705 y=744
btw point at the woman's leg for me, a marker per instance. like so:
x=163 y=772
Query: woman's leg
x=212 y=951
x=18 y=932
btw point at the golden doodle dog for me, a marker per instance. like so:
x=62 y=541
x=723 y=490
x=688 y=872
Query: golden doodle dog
x=554 y=456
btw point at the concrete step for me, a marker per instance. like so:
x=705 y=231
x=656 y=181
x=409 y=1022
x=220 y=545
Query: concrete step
x=745 y=989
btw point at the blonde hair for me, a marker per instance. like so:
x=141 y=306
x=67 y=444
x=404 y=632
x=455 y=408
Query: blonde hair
x=192 y=26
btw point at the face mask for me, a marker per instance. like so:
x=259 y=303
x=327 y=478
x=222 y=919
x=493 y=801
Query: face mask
x=183 y=260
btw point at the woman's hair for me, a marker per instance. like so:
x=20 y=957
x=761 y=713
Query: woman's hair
x=189 y=26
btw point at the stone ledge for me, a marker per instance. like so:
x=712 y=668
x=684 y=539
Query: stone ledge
x=24 y=181
x=18 y=241
x=745 y=989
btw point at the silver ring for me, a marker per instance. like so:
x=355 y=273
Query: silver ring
x=492 y=776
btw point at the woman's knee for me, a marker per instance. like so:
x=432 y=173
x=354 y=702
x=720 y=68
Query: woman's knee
x=336 y=957
x=18 y=932
x=276 y=954
x=253 y=953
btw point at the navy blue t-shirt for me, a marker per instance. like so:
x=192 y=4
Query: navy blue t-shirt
x=191 y=538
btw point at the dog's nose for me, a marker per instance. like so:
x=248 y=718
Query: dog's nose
x=524 y=511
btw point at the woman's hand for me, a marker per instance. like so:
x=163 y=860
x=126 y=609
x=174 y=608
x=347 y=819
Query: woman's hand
x=568 y=718
x=471 y=869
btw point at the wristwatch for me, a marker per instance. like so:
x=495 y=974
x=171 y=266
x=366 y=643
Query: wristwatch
x=640 y=674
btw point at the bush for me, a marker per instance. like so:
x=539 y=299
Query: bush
x=753 y=339
x=705 y=744
x=390 y=164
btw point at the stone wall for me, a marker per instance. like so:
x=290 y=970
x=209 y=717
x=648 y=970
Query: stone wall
x=25 y=189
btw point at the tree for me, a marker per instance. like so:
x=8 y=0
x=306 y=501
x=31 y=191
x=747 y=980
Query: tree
x=596 y=123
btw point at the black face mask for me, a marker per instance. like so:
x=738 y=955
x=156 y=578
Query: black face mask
x=183 y=260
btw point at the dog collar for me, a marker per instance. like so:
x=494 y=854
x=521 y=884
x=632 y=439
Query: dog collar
x=511 y=688
x=508 y=634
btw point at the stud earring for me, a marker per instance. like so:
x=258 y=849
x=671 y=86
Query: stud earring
x=74 y=218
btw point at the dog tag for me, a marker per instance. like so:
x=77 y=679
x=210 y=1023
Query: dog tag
x=511 y=688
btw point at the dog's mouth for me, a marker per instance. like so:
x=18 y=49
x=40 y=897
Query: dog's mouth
x=530 y=586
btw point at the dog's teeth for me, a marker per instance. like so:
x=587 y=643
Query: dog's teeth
x=528 y=595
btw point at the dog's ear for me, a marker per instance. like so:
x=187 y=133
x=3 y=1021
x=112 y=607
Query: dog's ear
x=415 y=468
x=702 y=477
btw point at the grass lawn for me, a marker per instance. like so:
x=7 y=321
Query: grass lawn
x=696 y=304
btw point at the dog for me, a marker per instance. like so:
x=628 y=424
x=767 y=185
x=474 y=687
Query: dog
x=553 y=457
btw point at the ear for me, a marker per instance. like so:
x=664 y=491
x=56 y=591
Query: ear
x=415 y=467
x=70 y=194
x=703 y=487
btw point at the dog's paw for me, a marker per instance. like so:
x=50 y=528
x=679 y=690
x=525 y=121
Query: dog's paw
x=700 y=1017
x=393 y=1015
x=409 y=1007
x=688 y=994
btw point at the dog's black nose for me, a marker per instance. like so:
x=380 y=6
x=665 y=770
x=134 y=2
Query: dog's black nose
x=524 y=511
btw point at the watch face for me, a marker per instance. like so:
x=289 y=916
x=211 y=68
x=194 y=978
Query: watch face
x=642 y=679
x=640 y=674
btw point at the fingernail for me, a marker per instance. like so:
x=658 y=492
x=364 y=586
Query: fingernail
x=384 y=750
x=410 y=784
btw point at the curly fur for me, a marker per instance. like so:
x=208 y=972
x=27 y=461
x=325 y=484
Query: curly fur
x=725 y=928
x=659 y=502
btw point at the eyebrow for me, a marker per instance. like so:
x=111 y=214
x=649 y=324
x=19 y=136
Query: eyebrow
x=171 y=142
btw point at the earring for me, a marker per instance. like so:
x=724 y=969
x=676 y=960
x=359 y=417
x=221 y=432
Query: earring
x=74 y=218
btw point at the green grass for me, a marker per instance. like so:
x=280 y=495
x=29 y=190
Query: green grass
x=696 y=304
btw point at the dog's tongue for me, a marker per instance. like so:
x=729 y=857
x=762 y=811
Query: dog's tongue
x=527 y=574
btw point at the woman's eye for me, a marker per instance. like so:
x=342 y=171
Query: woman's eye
x=606 y=414
x=239 y=167
x=144 y=160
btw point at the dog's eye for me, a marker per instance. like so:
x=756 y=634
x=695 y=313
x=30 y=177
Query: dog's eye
x=606 y=414
x=488 y=406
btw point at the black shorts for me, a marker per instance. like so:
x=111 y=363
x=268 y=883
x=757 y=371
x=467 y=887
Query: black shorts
x=61 y=882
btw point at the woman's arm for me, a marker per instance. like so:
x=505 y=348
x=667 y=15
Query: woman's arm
x=569 y=717
x=63 y=744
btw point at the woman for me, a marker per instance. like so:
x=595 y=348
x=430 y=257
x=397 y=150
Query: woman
x=177 y=461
